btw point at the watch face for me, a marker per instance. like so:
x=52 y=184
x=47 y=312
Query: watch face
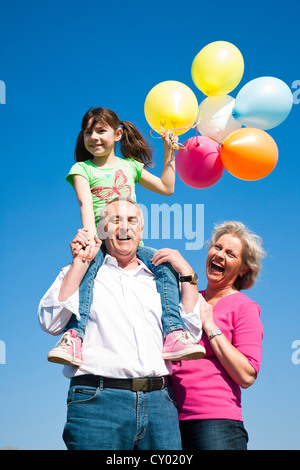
x=193 y=278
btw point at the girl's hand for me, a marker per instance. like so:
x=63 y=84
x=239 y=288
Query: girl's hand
x=80 y=241
x=169 y=139
x=92 y=248
x=85 y=247
x=179 y=264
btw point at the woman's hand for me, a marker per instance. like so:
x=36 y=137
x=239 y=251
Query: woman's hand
x=179 y=264
x=206 y=314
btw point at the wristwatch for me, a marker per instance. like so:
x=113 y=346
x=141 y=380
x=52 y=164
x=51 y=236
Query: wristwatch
x=192 y=278
x=215 y=333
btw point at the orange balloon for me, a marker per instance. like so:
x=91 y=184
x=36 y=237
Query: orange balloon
x=249 y=154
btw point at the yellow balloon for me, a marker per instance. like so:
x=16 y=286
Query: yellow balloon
x=171 y=104
x=218 y=68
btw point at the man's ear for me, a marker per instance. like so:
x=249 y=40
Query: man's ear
x=102 y=229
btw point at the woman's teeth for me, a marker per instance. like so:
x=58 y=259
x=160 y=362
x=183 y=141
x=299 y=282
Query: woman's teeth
x=217 y=267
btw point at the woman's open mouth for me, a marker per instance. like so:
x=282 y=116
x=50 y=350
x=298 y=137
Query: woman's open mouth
x=215 y=266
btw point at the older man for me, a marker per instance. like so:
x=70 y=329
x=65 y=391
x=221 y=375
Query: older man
x=120 y=397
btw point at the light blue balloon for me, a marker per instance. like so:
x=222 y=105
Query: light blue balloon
x=263 y=103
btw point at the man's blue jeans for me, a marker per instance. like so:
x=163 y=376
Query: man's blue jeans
x=166 y=284
x=114 y=419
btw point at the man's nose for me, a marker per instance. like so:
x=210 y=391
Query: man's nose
x=123 y=225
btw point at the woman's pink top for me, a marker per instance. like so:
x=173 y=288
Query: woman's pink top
x=203 y=389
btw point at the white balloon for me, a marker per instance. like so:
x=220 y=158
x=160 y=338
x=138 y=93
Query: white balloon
x=215 y=117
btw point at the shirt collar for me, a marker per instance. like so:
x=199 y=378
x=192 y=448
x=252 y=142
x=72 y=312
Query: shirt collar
x=112 y=262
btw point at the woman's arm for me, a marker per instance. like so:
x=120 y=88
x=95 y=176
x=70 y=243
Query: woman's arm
x=233 y=361
x=166 y=183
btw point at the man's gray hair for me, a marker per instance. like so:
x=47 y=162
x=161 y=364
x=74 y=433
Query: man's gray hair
x=253 y=252
x=103 y=211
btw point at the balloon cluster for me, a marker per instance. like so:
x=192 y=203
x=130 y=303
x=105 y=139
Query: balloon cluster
x=248 y=152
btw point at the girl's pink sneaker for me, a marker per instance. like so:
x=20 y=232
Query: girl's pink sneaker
x=181 y=346
x=68 y=350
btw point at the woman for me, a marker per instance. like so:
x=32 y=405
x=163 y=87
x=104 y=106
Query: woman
x=208 y=392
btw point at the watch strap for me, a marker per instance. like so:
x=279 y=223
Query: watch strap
x=215 y=333
x=192 y=278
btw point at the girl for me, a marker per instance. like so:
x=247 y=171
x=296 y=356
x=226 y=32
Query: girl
x=100 y=176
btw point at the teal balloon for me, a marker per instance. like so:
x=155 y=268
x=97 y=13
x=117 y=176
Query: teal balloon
x=263 y=103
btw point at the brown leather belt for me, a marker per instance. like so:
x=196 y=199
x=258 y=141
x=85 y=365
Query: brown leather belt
x=144 y=384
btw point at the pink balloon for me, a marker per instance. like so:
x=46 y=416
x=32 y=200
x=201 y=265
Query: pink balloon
x=200 y=166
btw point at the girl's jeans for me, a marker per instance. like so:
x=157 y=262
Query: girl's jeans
x=166 y=284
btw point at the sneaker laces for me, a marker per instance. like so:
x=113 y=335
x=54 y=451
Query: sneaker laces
x=66 y=342
x=185 y=337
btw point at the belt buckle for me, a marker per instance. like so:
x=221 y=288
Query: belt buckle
x=139 y=385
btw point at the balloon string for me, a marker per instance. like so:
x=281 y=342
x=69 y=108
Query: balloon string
x=172 y=135
x=205 y=101
x=162 y=132
x=197 y=137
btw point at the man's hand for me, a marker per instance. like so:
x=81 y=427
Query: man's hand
x=80 y=265
x=189 y=291
x=83 y=247
x=179 y=264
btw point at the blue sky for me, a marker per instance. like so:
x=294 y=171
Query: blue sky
x=59 y=58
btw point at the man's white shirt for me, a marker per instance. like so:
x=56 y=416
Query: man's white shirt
x=123 y=336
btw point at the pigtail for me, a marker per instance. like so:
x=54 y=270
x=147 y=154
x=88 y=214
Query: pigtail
x=134 y=145
x=81 y=154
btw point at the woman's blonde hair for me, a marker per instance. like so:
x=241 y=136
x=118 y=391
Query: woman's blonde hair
x=253 y=252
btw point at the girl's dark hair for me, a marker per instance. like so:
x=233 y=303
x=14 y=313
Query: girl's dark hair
x=132 y=142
